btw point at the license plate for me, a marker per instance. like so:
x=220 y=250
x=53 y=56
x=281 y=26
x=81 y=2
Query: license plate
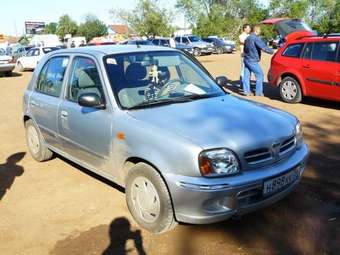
x=275 y=184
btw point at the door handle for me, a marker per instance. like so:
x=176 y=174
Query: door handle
x=64 y=114
x=306 y=66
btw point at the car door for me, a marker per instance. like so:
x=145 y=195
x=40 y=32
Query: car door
x=319 y=68
x=338 y=75
x=86 y=132
x=45 y=99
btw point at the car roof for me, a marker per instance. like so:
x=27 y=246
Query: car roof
x=316 y=39
x=114 y=49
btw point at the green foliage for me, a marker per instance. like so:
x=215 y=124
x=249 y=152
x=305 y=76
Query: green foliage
x=66 y=26
x=92 y=27
x=51 y=28
x=147 y=19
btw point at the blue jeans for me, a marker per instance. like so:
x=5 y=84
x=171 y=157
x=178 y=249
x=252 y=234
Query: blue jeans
x=253 y=67
x=242 y=72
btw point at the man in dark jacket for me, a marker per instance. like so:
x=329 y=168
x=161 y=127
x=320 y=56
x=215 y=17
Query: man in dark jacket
x=253 y=46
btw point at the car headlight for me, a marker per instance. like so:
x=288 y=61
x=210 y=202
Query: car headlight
x=218 y=162
x=298 y=134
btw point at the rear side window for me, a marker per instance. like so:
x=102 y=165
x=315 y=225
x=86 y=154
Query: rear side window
x=84 y=79
x=185 y=40
x=50 y=80
x=325 y=51
x=307 y=53
x=293 y=50
x=155 y=41
x=178 y=39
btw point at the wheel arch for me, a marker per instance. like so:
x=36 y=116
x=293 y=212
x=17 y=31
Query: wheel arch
x=132 y=161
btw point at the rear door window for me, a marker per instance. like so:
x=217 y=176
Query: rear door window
x=84 y=79
x=50 y=80
x=185 y=40
x=293 y=50
x=325 y=51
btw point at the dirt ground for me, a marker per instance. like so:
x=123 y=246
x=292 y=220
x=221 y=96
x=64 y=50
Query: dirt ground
x=59 y=208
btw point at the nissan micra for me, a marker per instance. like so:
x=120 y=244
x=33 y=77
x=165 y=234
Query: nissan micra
x=153 y=120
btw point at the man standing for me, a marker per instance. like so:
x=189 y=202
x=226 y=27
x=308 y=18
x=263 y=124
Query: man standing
x=252 y=55
x=242 y=38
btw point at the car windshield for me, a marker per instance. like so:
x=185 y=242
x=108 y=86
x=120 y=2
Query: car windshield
x=194 y=38
x=145 y=79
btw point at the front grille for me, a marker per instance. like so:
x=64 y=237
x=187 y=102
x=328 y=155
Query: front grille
x=257 y=156
x=287 y=145
x=277 y=150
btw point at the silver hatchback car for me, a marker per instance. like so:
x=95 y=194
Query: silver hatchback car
x=153 y=120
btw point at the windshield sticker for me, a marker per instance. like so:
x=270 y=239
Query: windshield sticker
x=191 y=88
x=111 y=61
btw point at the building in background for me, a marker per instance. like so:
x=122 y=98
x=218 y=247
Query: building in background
x=119 y=32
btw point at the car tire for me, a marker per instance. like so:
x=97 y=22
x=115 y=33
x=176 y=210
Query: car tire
x=219 y=50
x=197 y=52
x=35 y=143
x=21 y=67
x=290 y=90
x=145 y=186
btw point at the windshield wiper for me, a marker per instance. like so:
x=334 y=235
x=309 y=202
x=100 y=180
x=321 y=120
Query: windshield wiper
x=182 y=99
x=160 y=102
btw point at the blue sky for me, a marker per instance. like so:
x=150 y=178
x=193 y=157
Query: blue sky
x=14 y=13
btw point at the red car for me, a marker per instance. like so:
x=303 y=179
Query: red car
x=307 y=65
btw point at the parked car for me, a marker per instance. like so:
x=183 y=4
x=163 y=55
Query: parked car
x=130 y=114
x=220 y=46
x=200 y=47
x=166 y=43
x=307 y=66
x=6 y=63
x=32 y=57
x=100 y=43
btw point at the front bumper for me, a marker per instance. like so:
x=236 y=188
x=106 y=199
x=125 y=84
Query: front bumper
x=6 y=67
x=201 y=200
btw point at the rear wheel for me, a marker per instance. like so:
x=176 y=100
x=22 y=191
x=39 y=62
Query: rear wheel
x=35 y=143
x=197 y=52
x=290 y=90
x=148 y=199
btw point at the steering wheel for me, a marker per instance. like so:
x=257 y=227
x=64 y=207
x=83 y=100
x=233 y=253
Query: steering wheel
x=165 y=90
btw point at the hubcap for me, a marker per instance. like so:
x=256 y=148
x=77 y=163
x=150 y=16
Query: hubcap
x=145 y=199
x=289 y=90
x=33 y=139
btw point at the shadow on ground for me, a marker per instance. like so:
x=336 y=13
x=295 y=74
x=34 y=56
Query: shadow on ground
x=9 y=171
x=116 y=239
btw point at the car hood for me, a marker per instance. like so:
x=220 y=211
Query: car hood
x=225 y=121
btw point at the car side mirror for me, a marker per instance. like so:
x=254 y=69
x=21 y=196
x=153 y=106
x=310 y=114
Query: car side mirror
x=91 y=100
x=221 y=80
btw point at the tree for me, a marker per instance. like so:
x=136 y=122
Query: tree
x=92 y=27
x=221 y=17
x=66 y=26
x=51 y=28
x=289 y=8
x=147 y=19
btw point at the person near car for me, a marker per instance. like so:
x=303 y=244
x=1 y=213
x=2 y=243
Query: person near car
x=73 y=45
x=82 y=44
x=253 y=46
x=246 y=29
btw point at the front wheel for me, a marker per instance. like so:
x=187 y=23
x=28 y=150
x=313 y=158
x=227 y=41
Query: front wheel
x=219 y=50
x=290 y=90
x=148 y=199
